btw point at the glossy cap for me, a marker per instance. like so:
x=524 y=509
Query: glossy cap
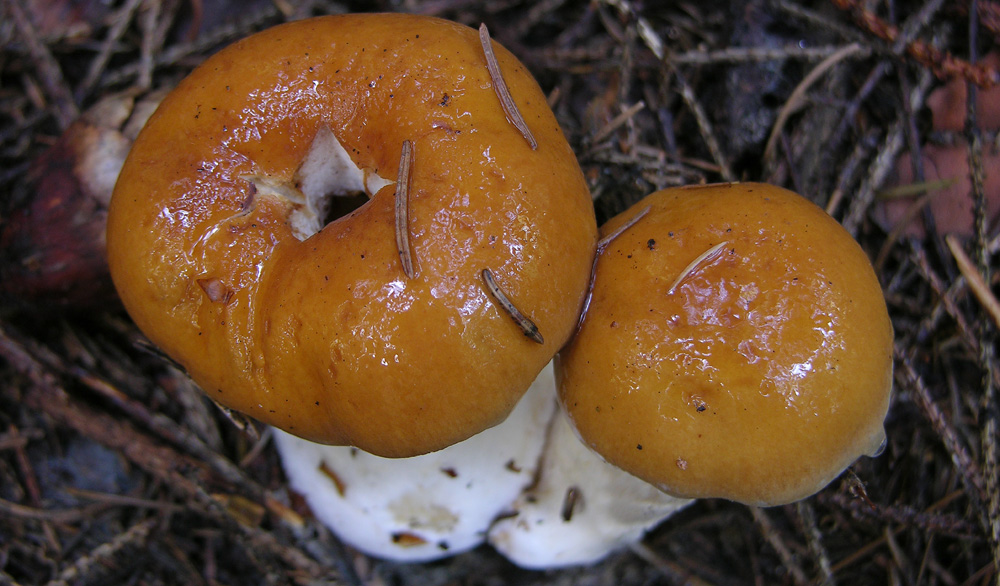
x=211 y=243
x=737 y=345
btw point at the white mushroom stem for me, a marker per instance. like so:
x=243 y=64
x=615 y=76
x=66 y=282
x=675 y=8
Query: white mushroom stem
x=581 y=509
x=426 y=507
x=563 y=507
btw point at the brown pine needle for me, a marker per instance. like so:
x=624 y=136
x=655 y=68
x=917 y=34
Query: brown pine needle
x=708 y=254
x=572 y=498
x=500 y=87
x=604 y=242
x=798 y=97
x=601 y=245
x=402 y=210
x=527 y=326
x=618 y=121
x=975 y=279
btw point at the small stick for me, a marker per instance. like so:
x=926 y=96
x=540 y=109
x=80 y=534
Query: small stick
x=704 y=125
x=942 y=63
x=798 y=97
x=759 y=55
x=776 y=541
x=601 y=245
x=527 y=326
x=500 y=87
x=695 y=263
x=975 y=279
x=402 y=210
x=44 y=63
x=604 y=242
x=618 y=121
x=573 y=496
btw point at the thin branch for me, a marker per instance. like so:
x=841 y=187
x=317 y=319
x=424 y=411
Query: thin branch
x=965 y=465
x=402 y=209
x=975 y=279
x=503 y=92
x=704 y=125
x=119 y=22
x=695 y=264
x=814 y=537
x=527 y=326
x=884 y=163
x=739 y=55
x=797 y=98
x=618 y=121
x=771 y=535
x=944 y=64
x=102 y=556
x=48 y=69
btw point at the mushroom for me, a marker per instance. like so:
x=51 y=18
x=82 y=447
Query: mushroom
x=736 y=335
x=419 y=319
x=409 y=324
x=425 y=507
x=737 y=345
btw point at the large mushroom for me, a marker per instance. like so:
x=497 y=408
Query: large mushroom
x=413 y=322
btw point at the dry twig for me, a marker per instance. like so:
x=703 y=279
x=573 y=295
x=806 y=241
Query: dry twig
x=943 y=64
x=48 y=68
x=527 y=326
x=402 y=209
x=500 y=87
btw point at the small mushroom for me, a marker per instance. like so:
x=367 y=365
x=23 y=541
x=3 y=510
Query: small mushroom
x=424 y=507
x=737 y=345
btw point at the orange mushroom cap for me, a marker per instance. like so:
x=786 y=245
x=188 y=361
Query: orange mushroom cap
x=737 y=345
x=323 y=334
